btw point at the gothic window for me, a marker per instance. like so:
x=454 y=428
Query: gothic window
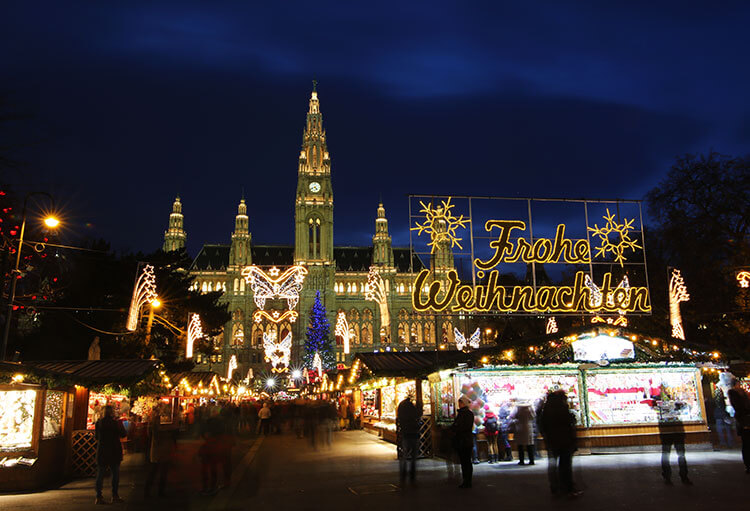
x=353 y=320
x=242 y=286
x=238 y=329
x=257 y=335
x=403 y=327
x=366 y=326
x=236 y=285
x=447 y=334
x=285 y=329
x=314 y=237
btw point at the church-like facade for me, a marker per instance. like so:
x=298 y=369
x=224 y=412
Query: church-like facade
x=339 y=273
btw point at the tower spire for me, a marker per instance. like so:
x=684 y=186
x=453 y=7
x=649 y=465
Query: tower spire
x=382 y=251
x=240 y=251
x=175 y=235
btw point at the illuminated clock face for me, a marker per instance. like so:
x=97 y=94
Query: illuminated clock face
x=315 y=187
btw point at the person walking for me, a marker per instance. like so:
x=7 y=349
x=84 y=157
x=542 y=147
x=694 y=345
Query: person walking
x=265 y=418
x=462 y=428
x=740 y=402
x=108 y=433
x=491 y=428
x=558 y=426
x=722 y=419
x=160 y=453
x=523 y=419
x=407 y=422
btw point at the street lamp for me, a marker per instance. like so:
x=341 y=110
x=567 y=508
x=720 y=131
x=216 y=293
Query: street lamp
x=155 y=304
x=50 y=222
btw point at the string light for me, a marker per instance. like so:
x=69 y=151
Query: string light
x=375 y=292
x=275 y=316
x=266 y=286
x=194 y=332
x=677 y=293
x=278 y=354
x=144 y=292
x=232 y=367
x=461 y=341
x=342 y=330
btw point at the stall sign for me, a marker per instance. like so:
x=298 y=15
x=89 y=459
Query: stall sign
x=602 y=348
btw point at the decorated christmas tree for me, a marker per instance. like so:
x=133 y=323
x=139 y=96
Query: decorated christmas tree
x=317 y=339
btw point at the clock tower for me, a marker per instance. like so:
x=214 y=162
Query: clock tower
x=313 y=213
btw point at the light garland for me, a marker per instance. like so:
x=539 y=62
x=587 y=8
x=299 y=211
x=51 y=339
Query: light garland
x=551 y=325
x=266 y=286
x=143 y=292
x=342 y=329
x=232 y=366
x=461 y=340
x=677 y=293
x=194 y=332
x=317 y=364
x=743 y=279
x=277 y=353
x=375 y=292
x=275 y=316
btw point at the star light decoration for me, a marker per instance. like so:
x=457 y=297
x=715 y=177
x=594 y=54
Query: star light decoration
x=232 y=366
x=143 y=292
x=275 y=316
x=194 y=332
x=266 y=286
x=461 y=340
x=375 y=292
x=743 y=279
x=441 y=224
x=342 y=330
x=613 y=227
x=677 y=294
x=277 y=353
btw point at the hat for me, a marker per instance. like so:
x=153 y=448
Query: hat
x=465 y=400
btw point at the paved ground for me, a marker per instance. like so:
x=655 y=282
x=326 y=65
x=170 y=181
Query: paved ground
x=359 y=472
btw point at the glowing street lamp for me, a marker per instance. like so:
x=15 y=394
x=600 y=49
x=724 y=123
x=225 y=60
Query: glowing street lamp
x=50 y=222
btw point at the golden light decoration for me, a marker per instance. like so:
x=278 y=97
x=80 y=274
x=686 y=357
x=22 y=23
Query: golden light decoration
x=317 y=364
x=743 y=279
x=232 y=366
x=677 y=294
x=613 y=227
x=461 y=340
x=551 y=325
x=143 y=292
x=275 y=316
x=375 y=292
x=277 y=353
x=194 y=332
x=597 y=297
x=342 y=330
x=51 y=222
x=441 y=224
x=266 y=286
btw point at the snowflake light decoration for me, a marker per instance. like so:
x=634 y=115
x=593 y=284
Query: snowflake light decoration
x=277 y=353
x=441 y=224
x=266 y=286
x=143 y=292
x=194 y=332
x=613 y=227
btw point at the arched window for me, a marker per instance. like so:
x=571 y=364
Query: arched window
x=242 y=286
x=236 y=285
x=210 y=287
x=238 y=328
x=204 y=287
x=257 y=335
x=367 y=326
x=354 y=326
x=447 y=334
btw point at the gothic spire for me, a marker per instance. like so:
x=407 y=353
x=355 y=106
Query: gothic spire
x=239 y=253
x=314 y=157
x=382 y=252
x=175 y=235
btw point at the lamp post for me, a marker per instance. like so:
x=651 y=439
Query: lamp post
x=155 y=304
x=50 y=222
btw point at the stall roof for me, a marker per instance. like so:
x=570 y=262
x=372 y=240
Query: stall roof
x=196 y=378
x=411 y=363
x=102 y=371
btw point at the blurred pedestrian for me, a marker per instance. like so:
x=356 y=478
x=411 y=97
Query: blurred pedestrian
x=161 y=448
x=108 y=433
x=672 y=434
x=265 y=418
x=462 y=428
x=740 y=402
x=407 y=422
x=558 y=426
x=491 y=428
x=523 y=419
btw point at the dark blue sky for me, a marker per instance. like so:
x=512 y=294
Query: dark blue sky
x=134 y=102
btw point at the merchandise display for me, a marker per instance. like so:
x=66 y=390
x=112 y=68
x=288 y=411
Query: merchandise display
x=370 y=403
x=445 y=399
x=17 y=419
x=635 y=396
x=388 y=402
x=53 y=414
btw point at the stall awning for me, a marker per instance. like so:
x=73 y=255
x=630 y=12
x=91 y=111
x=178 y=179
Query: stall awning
x=411 y=363
x=98 y=371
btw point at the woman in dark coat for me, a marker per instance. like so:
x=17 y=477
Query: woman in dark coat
x=740 y=401
x=558 y=426
x=109 y=431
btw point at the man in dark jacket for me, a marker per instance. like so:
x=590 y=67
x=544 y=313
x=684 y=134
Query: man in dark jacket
x=740 y=401
x=109 y=431
x=558 y=425
x=462 y=428
x=407 y=422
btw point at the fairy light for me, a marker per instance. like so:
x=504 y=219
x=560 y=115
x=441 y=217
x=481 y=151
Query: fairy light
x=232 y=366
x=677 y=294
x=342 y=330
x=194 y=332
x=375 y=292
x=144 y=292
x=277 y=353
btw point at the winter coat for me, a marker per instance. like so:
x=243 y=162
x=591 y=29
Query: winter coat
x=108 y=433
x=162 y=442
x=462 y=428
x=740 y=401
x=491 y=424
x=407 y=418
x=523 y=420
x=558 y=424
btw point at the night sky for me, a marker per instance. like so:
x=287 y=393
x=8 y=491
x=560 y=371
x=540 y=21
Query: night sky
x=134 y=102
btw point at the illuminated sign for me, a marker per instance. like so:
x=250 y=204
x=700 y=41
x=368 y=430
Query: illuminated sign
x=602 y=347
x=595 y=289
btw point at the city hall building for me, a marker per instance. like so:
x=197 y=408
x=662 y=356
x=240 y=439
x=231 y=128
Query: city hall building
x=339 y=273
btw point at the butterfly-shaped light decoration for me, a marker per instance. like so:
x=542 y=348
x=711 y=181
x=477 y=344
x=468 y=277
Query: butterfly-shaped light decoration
x=277 y=353
x=266 y=286
x=461 y=341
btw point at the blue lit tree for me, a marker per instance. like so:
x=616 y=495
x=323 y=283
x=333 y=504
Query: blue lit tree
x=317 y=338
